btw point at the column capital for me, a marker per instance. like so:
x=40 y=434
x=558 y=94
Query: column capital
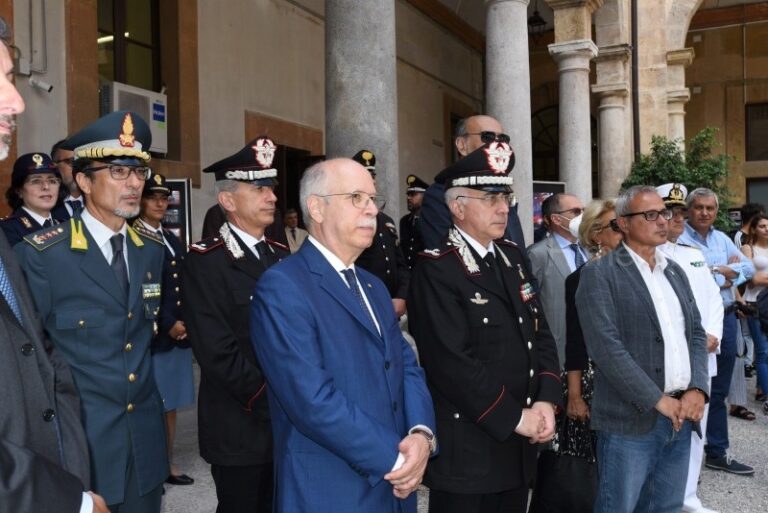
x=584 y=48
x=620 y=52
x=619 y=89
x=683 y=56
x=680 y=96
x=592 y=5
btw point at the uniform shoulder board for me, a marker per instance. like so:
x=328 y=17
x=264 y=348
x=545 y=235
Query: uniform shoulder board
x=206 y=245
x=142 y=230
x=277 y=244
x=44 y=239
x=438 y=252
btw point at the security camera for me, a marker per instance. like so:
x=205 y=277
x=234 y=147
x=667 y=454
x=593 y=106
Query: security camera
x=39 y=84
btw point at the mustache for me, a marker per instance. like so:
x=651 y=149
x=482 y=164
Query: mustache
x=367 y=223
x=8 y=120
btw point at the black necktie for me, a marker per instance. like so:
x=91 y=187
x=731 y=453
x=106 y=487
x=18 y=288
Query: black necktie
x=578 y=257
x=349 y=275
x=75 y=205
x=47 y=223
x=490 y=262
x=118 y=261
x=265 y=255
x=293 y=234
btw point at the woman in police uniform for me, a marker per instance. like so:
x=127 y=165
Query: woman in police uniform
x=171 y=351
x=34 y=191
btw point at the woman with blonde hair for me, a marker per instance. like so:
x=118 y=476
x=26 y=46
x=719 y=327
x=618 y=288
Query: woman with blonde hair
x=599 y=234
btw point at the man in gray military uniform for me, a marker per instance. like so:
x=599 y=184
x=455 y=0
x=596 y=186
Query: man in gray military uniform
x=96 y=283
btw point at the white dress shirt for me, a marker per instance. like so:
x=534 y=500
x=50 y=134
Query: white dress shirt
x=677 y=363
x=37 y=217
x=248 y=239
x=102 y=233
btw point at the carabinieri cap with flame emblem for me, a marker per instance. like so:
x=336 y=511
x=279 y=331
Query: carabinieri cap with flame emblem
x=120 y=137
x=487 y=169
x=252 y=164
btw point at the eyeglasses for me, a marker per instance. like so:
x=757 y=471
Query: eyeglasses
x=123 y=172
x=359 y=199
x=576 y=211
x=487 y=136
x=494 y=200
x=679 y=212
x=652 y=215
x=40 y=182
x=67 y=161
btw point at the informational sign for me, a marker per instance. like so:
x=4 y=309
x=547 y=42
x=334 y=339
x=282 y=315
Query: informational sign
x=179 y=214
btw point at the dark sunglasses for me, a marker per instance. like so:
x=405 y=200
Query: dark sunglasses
x=488 y=136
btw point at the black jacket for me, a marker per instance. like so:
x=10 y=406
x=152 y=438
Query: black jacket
x=410 y=238
x=216 y=289
x=488 y=353
x=384 y=258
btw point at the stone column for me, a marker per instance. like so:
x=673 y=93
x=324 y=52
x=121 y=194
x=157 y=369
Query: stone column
x=508 y=93
x=677 y=94
x=361 y=87
x=612 y=89
x=573 y=59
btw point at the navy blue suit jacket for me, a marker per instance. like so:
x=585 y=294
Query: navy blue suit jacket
x=342 y=396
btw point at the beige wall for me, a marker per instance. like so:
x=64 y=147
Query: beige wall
x=729 y=71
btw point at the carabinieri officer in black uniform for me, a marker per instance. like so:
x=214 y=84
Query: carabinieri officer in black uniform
x=410 y=236
x=383 y=257
x=489 y=357
x=220 y=273
x=33 y=193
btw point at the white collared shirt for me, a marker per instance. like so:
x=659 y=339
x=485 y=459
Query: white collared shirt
x=37 y=217
x=677 y=363
x=248 y=239
x=479 y=248
x=159 y=231
x=102 y=233
x=339 y=266
x=72 y=198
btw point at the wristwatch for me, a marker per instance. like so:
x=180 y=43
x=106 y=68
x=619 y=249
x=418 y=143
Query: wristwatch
x=429 y=436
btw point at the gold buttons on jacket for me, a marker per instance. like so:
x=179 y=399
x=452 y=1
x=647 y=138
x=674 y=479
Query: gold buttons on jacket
x=131 y=377
x=128 y=347
x=81 y=323
x=129 y=408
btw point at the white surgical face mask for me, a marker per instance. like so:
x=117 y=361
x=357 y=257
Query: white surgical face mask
x=573 y=225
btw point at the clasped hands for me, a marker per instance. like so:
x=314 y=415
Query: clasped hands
x=689 y=407
x=538 y=423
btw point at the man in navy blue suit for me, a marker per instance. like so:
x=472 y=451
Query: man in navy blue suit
x=352 y=418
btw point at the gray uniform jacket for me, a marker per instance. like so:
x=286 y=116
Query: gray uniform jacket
x=624 y=339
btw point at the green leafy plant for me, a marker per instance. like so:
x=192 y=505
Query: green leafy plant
x=695 y=167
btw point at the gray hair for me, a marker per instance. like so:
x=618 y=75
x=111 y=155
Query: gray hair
x=313 y=182
x=461 y=128
x=626 y=197
x=701 y=192
x=224 y=186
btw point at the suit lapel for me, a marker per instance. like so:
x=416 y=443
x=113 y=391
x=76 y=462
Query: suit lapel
x=330 y=281
x=556 y=253
x=136 y=274
x=96 y=267
x=636 y=282
x=248 y=263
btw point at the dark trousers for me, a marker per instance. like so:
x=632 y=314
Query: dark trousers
x=245 y=489
x=132 y=501
x=510 y=501
x=717 y=425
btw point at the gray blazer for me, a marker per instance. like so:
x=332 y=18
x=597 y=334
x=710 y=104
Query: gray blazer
x=550 y=268
x=43 y=452
x=624 y=339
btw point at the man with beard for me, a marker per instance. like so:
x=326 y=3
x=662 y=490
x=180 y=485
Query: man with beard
x=73 y=201
x=43 y=452
x=409 y=223
x=96 y=283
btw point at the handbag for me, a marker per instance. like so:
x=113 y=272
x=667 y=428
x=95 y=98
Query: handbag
x=565 y=483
